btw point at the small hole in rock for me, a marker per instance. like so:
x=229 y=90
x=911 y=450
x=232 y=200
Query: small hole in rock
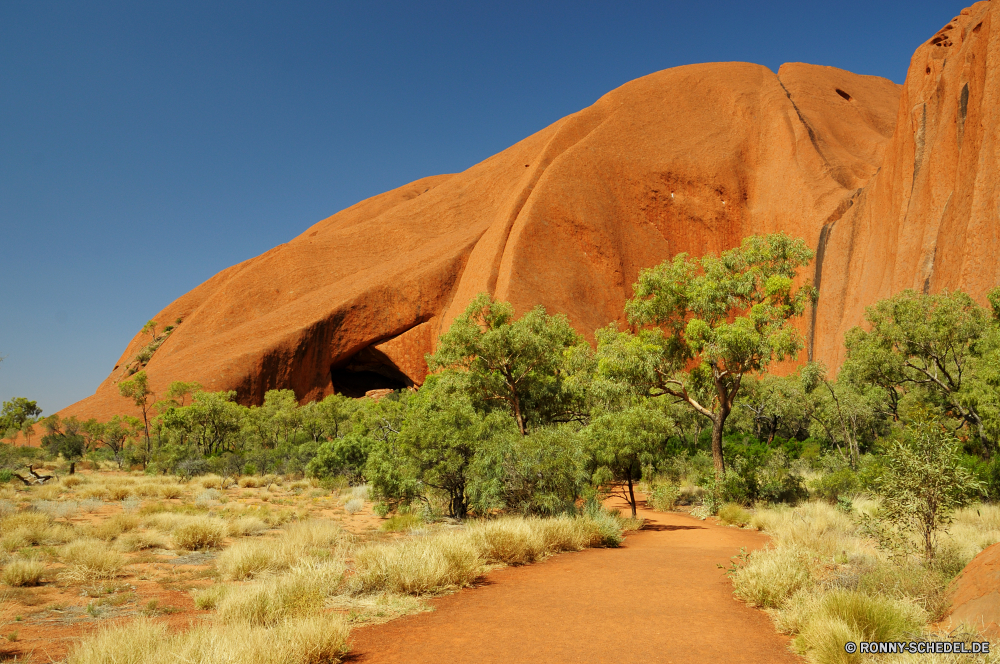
x=928 y=70
x=843 y=94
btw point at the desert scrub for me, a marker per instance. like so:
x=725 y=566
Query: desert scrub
x=310 y=640
x=845 y=615
x=207 y=599
x=90 y=560
x=401 y=522
x=20 y=572
x=300 y=592
x=246 y=559
x=246 y=525
x=663 y=497
x=113 y=527
x=139 y=541
x=769 y=576
x=418 y=566
x=199 y=533
x=31 y=529
x=733 y=514
x=509 y=541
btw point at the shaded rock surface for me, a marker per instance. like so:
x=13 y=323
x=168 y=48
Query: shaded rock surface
x=895 y=186
x=975 y=594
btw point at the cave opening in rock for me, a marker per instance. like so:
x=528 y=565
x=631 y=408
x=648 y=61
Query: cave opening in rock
x=368 y=369
x=843 y=94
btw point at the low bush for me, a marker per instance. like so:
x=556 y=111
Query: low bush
x=119 y=492
x=169 y=491
x=401 y=522
x=246 y=559
x=301 y=592
x=21 y=572
x=847 y=615
x=663 y=497
x=246 y=525
x=208 y=598
x=733 y=514
x=113 y=527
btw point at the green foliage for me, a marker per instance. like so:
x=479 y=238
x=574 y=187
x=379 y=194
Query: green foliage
x=16 y=415
x=838 y=480
x=708 y=322
x=757 y=473
x=541 y=473
x=922 y=482
x=623 y=440
x=520 y=366
x=936 y=350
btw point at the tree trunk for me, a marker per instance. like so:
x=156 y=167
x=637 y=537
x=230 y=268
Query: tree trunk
x=718 y=422
x=631 y=493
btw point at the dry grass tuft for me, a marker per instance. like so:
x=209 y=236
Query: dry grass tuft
x=246 y=525
x=301 y=592
x=21 y=572
x=90 y=560
x=113 y=527
x=310 y=640
x=200 y=532
x=418 y=566
x=169 y=491
x=140 y=541
x=509 y=541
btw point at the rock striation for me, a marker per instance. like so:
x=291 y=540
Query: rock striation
x=895 y=186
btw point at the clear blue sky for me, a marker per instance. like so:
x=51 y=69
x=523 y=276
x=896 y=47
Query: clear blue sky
x=146 y=146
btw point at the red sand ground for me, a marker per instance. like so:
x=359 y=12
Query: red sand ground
x=658 y=598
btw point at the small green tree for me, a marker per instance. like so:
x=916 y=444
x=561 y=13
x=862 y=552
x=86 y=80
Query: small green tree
x=623 y=441
x=922 y=480
x=17 y=412
x=150 y=329
x=517 y=365
x=705 y=323
x=137 y=389
x=440 y=437
x=930 y=345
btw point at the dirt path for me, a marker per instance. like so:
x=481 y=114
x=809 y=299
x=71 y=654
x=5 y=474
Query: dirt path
x=659 y=598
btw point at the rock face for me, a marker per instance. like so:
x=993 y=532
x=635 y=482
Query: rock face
x=886 y=182
x=975 y=594
x=930 y=218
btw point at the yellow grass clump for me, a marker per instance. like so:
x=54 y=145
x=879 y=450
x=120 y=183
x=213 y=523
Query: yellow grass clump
x=114 y=526
x=246 y=525
x=309 y=640
x=90 y=560
x=418 y=566
x=139 y=541
x=21 y=572
x=199 y=532
x=301 y=592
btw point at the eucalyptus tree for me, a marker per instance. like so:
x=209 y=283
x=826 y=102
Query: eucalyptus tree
x=701 y=324
x=520 y=366
x=940 y=349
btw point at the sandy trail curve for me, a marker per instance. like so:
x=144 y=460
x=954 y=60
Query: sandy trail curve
x=658 y=598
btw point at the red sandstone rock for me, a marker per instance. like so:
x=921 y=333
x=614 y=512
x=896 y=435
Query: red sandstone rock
x=894 y=192
x=975 y=594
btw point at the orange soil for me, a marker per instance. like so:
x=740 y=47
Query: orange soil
x=658 y=598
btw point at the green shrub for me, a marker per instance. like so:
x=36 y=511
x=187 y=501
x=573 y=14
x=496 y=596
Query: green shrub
x=663 y=497
x=733 y=514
